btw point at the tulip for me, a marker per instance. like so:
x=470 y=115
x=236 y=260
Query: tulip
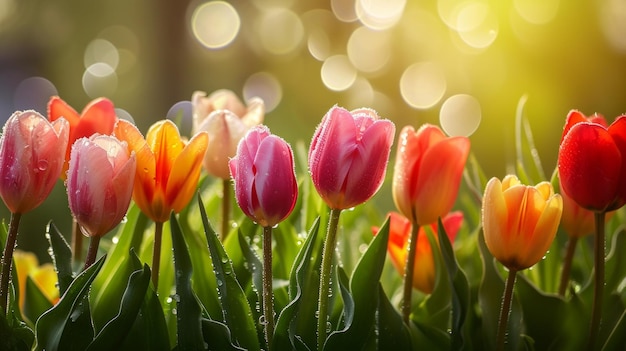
x=427 y=172
x=265 y=179
x=399 y=232
x=97 y=117
x=226 y=121
x=168 y=170
x=347 y=160
x=519 y=225
x=99 y=186
x=44 y=276
x=592 y=168
x=348 y=156
x=266 y=191
x=224 y=117
x=31 y=159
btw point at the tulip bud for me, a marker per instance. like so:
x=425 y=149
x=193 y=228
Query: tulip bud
x=592 y=162
x=265 y=180
x=32 y=152
x=44 y=276
x=100 y=183
x=348 y=156
x=427 y=173
x=519 y=221
x=399 y=233
x=226 y=121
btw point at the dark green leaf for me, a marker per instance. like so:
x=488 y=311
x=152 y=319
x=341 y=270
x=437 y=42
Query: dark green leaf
x=67 y=326
x=236 y=310
x=217 y=335
x=35 y=302
x=393 y=333
x=189 y=311
x=61 y=257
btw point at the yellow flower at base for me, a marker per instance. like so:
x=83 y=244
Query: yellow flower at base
x=519 y=221
x=168 y=168
x=44 y=276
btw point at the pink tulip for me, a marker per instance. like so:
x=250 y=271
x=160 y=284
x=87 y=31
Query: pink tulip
x=265 y=179
x=100 y=183
x=349 y=155
x=32 y=152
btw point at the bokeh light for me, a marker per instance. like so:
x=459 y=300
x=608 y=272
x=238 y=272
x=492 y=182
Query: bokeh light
x=460 y=115
x=215 y=24
x=101 y=50
x=123 y=114
x=99 y=79
x=338 y=73
x=344 y=10
x=379 y=14
x=33 y=93
x=537 y=11
x=369 y=50
x=613 y=23
x=181 y=113
x=477 y=25
x=281 y=31
x=422 y=85
x=265 y=86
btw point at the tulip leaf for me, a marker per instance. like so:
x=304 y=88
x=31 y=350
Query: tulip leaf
x=35 y=302
x=617 y=337
x=254 y=274
x=292 y=316
x=363 y=291
x=490 y=299
x=117 y=329
x=217 y=335
x=67 y=326
x=16 y=335
x=529 y=168
x=61 y=258
x=236 y=311
x=393 y=333
x=460 y=287
x=189 y=311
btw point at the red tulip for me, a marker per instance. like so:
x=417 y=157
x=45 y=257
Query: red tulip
x=592 y=162
x=264 y=175
x=349 y=155
x=399 y=233
x=97 y=117
x=32 y=151
x=100 y=183
x=427 y=174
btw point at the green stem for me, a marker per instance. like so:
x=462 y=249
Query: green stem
x=77 y=241
x=409 y=267
x=598 y=291
x=156 y=253
x=92 y=252
x=505 y=309
x=268 y=295
x=7 y=260
x=327 y=260
x=226 y=184
x=567 y=265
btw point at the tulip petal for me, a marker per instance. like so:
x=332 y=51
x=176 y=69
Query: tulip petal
x=495 y=216
x=617 y=130
x=225 y=130
x=57 y=108
x=185 y=172
x=97 y=117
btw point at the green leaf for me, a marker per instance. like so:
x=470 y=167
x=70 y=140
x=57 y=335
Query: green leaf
x=67 y=326
x=617 y=337
x=291 y=316
x=363 y=287
x=117 y=329
x=189 y=311
x=236 y=310
x=218 y=335
x=393 y=333
x=35 y=302
x=61 y=257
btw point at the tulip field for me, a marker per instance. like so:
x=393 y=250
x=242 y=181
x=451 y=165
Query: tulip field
x=233 y=239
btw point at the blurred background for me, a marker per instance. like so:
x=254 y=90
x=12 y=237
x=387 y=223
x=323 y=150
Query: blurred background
x=462 y=64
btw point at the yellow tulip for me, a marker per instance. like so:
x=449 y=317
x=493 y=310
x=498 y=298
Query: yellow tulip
x=44 y=276
x=519 y=221
x=168 y=168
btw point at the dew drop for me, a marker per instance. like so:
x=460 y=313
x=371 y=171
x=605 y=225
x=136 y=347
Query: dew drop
x=42 y=165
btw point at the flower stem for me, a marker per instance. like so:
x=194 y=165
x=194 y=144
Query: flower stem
x=409 y=267
x=505 y=309
x=92 y=252
x=7 y=260
x=77 y=241
x=567 y=265
x=268 y=295
x=226 y=184
x=598 y=291
x=156 y=253
x=327 y=260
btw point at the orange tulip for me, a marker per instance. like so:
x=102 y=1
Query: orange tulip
x=44 y=276
x=97 y=117
x=519 y=221
x=168 y=168
x=427 y=173
x=399 y=233
x=226 y=120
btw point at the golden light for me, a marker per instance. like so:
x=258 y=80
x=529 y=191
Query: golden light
x=281 y=31
x=265 y=86
x=369 y=50
x=423 y=84
x=460 y=115
x=215 y=24
x=379 y=14
x=338 y=73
